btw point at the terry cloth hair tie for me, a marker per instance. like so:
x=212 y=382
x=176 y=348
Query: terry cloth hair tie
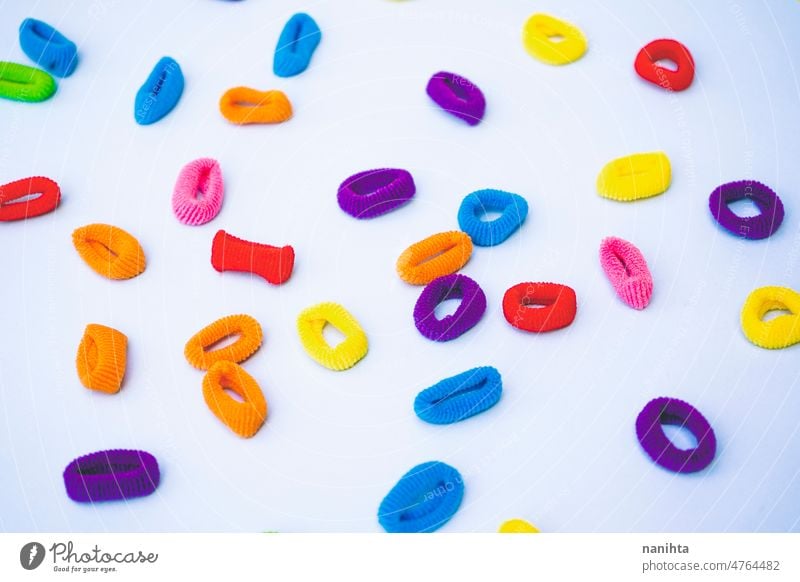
x=439 y=254
x=423 y=500
x=273 y=264
x=41 y=195
x=756 y=227
x=160 y=93
x=198 y=193
x=460 y=396
x=636 y=176
x=250 y=336
x=109 y=251
x=539 y=38
x=659 y=447
x=513 y=209
x=346 y=354
x=110 y=475
x=558 y=306
x=375 y=192
x=101 y=359
x=47 y=47
x=23 y=83
x=647 y=67
x=296 y=45
x=243 y=105
x=625 y=267
x=779 y=332
x=517 y=526
x=458 y=96
x=468 y=314
x=243 y=417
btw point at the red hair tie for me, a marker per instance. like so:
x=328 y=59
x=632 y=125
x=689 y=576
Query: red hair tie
x=49 y=194
x=229 y=253
x=557 y=306
x=648 y=69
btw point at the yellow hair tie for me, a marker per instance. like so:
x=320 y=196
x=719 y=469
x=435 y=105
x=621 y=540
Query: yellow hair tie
x=244 y=418
x=438 y=255
x=109 y=250
x=517 y=526
x=635 y=176
x=538 y=37
x=779 y=332
x=102 y=358
x=197 y=350
x=310 y=324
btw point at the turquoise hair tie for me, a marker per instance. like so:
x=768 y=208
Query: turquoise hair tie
x=47 y=47
x=459 y=397
x=160 y=93
x=513 y=209
x=296 y=45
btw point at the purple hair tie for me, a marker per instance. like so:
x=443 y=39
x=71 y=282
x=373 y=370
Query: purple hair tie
x=657 y=445
x=468 y=314
x=750 y=227
x=458 y=96
x=375 y=192
x=113 y=474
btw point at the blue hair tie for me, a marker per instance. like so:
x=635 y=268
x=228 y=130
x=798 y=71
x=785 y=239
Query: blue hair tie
x=296 y=45
x=423 y=500
x=47 y=47
x=160 y=93
x=459 y=397
x=513 y=207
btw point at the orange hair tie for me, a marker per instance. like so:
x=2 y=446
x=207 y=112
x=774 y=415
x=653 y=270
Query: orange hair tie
x=438 y=255
x=109 y=250
x=250 y=336
x=243 y=418
x=101 y=358
x=243 y=105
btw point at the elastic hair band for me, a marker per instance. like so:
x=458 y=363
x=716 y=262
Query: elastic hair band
x=244 y=418
x=458 y=96
x=467 y=316
x=439 y=254
x=423 y=500
x=538 y=38
x=346 y=354
x=273 y=264
x=558 y=306
x=11 y=208
x=198 y=193
x=160 y=93
x=248 y=330
x=243 y=105
x=517 y=526
x=47 y=47
x=461 y=396
x=102 y=357
x=110 y=475
x=756 y=227
x=626 y=268
x=779 y=332
x=671 y=411
x=23 y=83
x=647 y=67
x=296 y=45
x=109 y=251
x=635 y=177
x=375 y=192
x=513 y=209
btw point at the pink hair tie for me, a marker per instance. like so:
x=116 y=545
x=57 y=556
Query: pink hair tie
x=198 y=193
x=627 y=270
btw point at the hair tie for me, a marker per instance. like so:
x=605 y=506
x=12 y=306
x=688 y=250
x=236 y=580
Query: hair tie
x=439 y=254
x=423 y=500
x=243 y=105
x=273 y=264
x=244 y=418
x=538 y=38
x=779 y=332
x=22 y=83
x=657 y=445
x=468 y=314
x=110 y=475
x=626 y=268
x=109 y=251
x=346 y=354
x=558 y=306
x=249 y=339
x=635 y=177
x=756 y=227
x=47 y=47
x=160 y=93
x=296 y=45
x=459 y=397
x=102 y=357
x=513 y=209
x=647 y=67
x=375 y=192
x=198 y=193
x=49 y=195
x=458 y=96
x=517 y=526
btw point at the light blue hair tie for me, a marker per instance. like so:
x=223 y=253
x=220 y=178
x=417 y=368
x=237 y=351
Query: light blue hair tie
x=47 y=47
x=297 y=43
x=513 y=209
x=459 y=397
x=160 y=93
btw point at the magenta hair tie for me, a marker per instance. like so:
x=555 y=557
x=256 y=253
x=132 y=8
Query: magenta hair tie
x=657 y=445
x=458 y=96
x=375 y=192
x=113 y=474
x=750 y=227
x=468 y=314
x=627 y=270
x=198 y=193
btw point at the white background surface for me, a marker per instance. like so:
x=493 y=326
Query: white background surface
x=559 y=449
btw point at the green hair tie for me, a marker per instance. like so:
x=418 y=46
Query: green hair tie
x=23 y=83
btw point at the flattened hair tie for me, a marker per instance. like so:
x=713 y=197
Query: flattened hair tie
x=197 y=197
x=110 y=475
x=423 y=500
x=243 y=105
x=634 y=177
x=296 y=45
x=48 y=48
x=102 y=358
x=647 y=67
x=779 y=332
x=540 y=34
x=273 y=264
x=198 y=350
x=244 y=418
x=513 y=210
x=41 y=195
x=458 y=96
x=346 y=354
x=375 y=192
x=160 y=93
x=22 y=83
x=517 y=526
x=467 y=316
x=557 y=306
x=109 y=251
x=438 y=255
x=459 y=397
x=626 y=268
x=756 y=227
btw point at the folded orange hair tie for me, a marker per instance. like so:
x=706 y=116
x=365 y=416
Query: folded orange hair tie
x=101 y=360
x=243 y=105
x=243 y=418
x=438 y=255
x=109 y=250
x=250 y=336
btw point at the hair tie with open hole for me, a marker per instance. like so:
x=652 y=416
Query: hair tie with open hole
x=626 y=268
x=647 y=67
x=23 y=83
x=244 y=418
x=458 y=96
x=513 y=210
x=197 y=197
x=635 y=177
x=110 y=475
x=248 y=330
x=756 y=227
x=47 y=47
x=438 y=255
x=109 y=251
x=348 y=353
x=539 y=34
x=450 y=327
x=459 y=397
x=41 y=194
x=160 y=93
x=243 y=105
x=779 y=332
x=296 y=45
x=558 y=306
x=102 y=358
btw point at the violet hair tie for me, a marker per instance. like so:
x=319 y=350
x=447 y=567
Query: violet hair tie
x=657 y=445
x=750 y=227
x=375 y=192
x=198 y=193
x=112 y=474
x=468 y=314
x=625 y=267
x=458 y=96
